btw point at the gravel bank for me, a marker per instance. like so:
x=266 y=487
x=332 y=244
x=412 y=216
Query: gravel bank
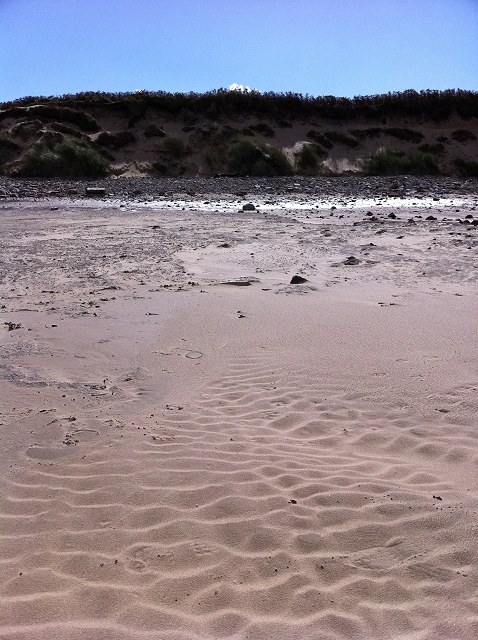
x=139 y=189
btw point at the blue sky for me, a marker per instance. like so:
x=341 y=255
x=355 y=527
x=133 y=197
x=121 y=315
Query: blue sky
x=319 y=47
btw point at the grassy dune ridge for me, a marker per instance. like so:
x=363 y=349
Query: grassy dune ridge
x=160 y=133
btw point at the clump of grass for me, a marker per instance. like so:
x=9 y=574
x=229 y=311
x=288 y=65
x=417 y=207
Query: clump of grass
x=67 y=158
x=407 y=135
x=467 y=168
x=115 y=140
x=257 y=158
x=174 y=146
x=307 y=159
x=437 y=148
x=343 y=138
x=387 y=162
x=215 y=160
x=463 y=135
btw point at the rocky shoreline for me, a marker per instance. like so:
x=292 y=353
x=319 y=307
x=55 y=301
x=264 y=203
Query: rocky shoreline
x=144 y=188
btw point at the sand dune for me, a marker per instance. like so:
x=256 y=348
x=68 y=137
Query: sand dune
x=207 y=461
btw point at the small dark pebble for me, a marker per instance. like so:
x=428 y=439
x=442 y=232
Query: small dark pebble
x=13 y=325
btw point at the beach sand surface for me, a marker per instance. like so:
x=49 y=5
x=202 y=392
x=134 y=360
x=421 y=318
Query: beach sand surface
x=194 y=448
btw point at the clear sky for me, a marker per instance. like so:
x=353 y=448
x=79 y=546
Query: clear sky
x=319 y=47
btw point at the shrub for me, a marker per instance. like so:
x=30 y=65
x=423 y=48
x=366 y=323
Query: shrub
x=342 y=138
x=174 y=146
x=68 y=158
x=467 y=168
x=115 y=140
x=437 y=149
x=257 y=158
x=320 y=138
x=463 y=135
x=386 y=162
x=407 y=135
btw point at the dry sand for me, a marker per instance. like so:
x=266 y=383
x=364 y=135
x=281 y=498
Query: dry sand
x=184 y=459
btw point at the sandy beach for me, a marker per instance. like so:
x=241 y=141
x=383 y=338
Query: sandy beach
x=194 y=448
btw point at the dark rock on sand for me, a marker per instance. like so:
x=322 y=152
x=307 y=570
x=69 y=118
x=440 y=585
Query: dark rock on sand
x=298 y=280
x=351 y=261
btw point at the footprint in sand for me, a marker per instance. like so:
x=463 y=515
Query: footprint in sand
x=186 y=353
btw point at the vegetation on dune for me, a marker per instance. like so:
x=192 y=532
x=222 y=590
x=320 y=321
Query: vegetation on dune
x=257 y=158
x=406 y=135
x=347 y=140
x=308 y=158
x=263 y=128
x=8 y=148
x=320 y=138
x=467 y=168
x=174 y=146
x=50 y=111
x=387 y=162
x=215 y=160
x=115 y=140
x=437 y=148
x=68 y=158
x=363 y=134
x=51 y=135
x=221 y=103
x=463 y=135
